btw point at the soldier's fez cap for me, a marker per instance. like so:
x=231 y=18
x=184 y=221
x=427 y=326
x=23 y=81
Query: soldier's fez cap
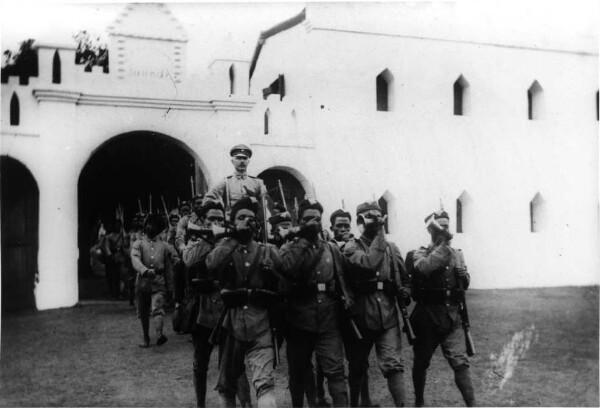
x=279 y=208
x=184 y=204
x=367 y=206
x=156 y=220
x=279 y=218
x=209 y=205
x=246 y=203
x=197 y=197
x=240 y=149
x=437 y=215
x=309 y=204
x=339 y=213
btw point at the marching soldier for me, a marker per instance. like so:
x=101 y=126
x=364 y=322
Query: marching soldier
x=311 y=267
x=187 y=214
x=239 y=185
x=206 y=287
x=340 y=226
x=439 y=272
x=114 y=243
x=249 y=274
x=152 y=259
x=378 y=275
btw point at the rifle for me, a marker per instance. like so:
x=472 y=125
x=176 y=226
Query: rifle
x=344 y=295
x=215 y=335
x=462 y=310
x=401 y=309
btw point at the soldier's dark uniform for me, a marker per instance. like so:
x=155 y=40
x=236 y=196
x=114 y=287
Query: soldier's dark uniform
x=314 y=312
x=114 y=243
x=435 y=318
x=375 y=282
x=206 y=288
x=248 y=290
x=341 y=240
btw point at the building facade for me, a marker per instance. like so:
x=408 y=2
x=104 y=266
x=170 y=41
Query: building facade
x=506 y=137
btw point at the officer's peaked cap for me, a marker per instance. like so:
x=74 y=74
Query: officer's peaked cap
x=240 y=149
x=246 y=203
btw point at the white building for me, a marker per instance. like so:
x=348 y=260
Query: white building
x=506 y=136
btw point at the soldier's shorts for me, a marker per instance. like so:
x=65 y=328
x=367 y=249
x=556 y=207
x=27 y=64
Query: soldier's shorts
x=260 y=357
x=452 y=344
x=388 y=347
x=150 y=304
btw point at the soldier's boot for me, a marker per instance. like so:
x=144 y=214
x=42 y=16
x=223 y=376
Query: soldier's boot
x=200 y=388
x=365 y=394
x=419 y=378
x=462 y=377
x=396 y=386
x=146 y=331
x=226 y=400
x=355 y=382
x=266 y=399
x=243 y=391
x=160 y=337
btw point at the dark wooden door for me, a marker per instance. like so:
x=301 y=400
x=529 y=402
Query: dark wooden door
x=19 y=197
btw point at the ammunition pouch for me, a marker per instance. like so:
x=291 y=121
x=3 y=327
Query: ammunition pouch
x=205 y=286
x=234 y=298
x=367 y=287
x=307 y=291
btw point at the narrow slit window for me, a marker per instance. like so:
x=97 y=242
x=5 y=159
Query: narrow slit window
x=267 y=119
x=232 y=79
x=15 y=114
x=461 y=96
x=537 y=213
x=597 y=106
x=464 y=204
x=534 y=101
x=383 y=85
x=56 y=68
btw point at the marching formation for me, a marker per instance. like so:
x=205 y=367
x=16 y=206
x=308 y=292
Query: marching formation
x=245 y=280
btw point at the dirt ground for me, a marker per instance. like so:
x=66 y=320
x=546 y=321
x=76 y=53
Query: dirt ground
x=535 y=347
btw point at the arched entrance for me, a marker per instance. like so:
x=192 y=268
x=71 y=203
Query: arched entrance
x=293 y=189
x=124 y=172
x=19 y=225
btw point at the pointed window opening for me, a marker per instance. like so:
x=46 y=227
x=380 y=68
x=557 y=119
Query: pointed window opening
x=56 y=68
x=537 y=213
x=232 y=79
x=15 y=114
x=461 y=96
x=459 y=223
x=534 y=101
x=294 y=123
x=267 y=119
x=383 y=85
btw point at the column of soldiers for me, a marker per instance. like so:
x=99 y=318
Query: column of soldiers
x=332 y=299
